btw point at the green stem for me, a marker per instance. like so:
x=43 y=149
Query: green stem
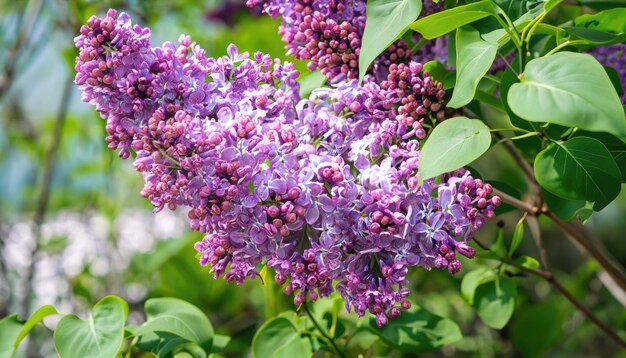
x=326 y=336
x=565 y=44
x=513 y=34
x=510 y=129
x=163 y=153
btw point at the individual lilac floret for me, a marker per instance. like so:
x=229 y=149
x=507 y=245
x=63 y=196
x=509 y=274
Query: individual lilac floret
x=613 y=56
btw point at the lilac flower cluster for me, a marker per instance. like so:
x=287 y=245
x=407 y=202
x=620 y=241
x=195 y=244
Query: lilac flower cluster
x=328 y=33
x=323 y=190
x=613 y=56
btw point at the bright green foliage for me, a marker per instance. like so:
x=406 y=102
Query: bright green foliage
x=10 y=328
x=99 y=336
x=570 y=89
x=454 y=143
x=473 y=279
x=171 y=323
x=418 y=330
x=495 y=301
x=393 y=16
x=441 y=23
x=579 y=169
x=33 y=320
x=279 y=338
x=473 y=59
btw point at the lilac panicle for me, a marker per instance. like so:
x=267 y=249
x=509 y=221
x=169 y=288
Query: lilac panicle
x=322 y=189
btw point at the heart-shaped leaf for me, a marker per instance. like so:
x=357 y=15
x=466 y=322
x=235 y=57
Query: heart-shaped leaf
x=418 y=330
x=474 y=56
x=495 y=301
x=182 y=321
x=579 y=169
x=101 y=335
x=32 y=321
x=473 y=279
x=391 y=15
x=571 y=89
x=278 y=337
x=452 y=144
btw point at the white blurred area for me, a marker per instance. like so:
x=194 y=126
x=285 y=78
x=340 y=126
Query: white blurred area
x=88 y=241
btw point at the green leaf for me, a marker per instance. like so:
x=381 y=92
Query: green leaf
x=278 y=337
x=615 y=79
x=528 y=262
x=536 y=328
x=495 y=301
x=440 y=23
x=418 y=330
x=518 y=236
x=474 y=56
x=386 y=21
x=595 y=36
x=579 y=169
x=570 y=89
x=452 y=144
x=602 y=4
x=619 y=155
x=100 y=336
x=310 y=82
x=178 y=318
x=508 y=79
x=613 y=20
x=473 y=279
x=564 y=209
x=440 y=73
x=551 y=4
x=10 y=328
x=219 y=342
x=32 y=321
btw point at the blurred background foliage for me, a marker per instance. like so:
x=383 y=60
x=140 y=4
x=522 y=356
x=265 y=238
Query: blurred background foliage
x=73 y=227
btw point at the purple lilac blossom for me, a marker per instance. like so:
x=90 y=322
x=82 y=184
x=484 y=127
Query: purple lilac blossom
x=323 y=189
x=613 y=56
x=328 y=33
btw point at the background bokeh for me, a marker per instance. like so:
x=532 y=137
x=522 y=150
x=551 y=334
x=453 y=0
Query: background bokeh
x=73 y=227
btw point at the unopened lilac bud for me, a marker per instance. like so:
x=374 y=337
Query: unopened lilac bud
x=454 y=266
x=465 y=250
x=381 y=320
x=280 y=279
x=394 y=312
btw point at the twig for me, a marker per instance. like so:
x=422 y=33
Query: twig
x=579 y=235
x=549 y=277
x=521 y=205
x=322 y=332
x=44 y=195
x=535 y=231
